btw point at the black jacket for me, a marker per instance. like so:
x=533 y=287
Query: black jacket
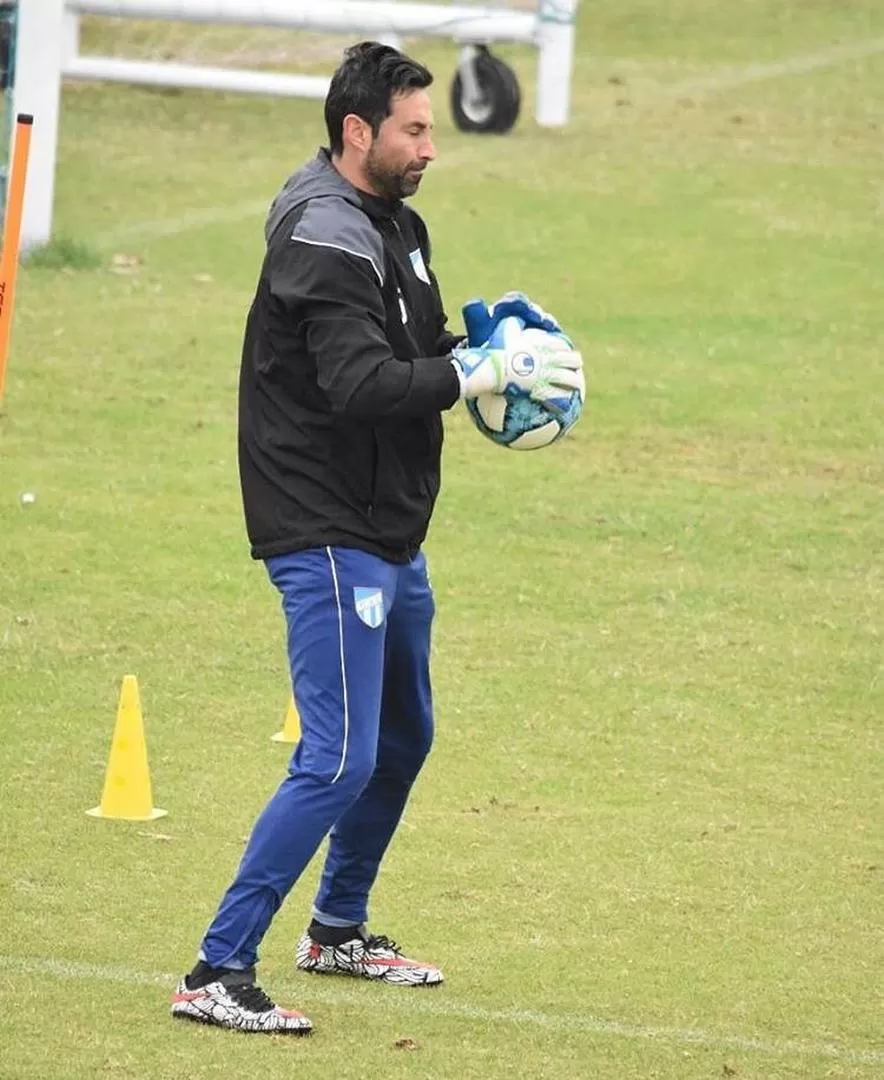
x=344 y=374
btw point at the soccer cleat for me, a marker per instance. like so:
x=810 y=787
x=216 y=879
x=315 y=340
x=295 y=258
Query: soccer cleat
x=367 y=957
x=232 y=999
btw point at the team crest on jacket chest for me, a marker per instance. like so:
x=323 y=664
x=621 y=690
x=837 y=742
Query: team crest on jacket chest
x=420 y=269
x=369 y=604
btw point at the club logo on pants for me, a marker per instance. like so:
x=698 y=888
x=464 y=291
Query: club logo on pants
x=369 y=605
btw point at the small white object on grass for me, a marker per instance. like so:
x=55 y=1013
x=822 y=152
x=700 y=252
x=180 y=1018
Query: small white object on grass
x=28 y=497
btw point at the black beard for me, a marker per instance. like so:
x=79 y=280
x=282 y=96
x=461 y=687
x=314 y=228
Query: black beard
x=387 y=183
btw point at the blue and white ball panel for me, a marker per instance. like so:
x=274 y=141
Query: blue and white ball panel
x=515 y=421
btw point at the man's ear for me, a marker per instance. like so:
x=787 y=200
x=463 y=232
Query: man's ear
x=357 y=133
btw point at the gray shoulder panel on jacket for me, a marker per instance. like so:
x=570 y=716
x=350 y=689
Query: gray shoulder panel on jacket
x=331 y=221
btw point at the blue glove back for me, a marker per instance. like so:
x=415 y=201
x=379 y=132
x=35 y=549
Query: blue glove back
x=477 y=323
x=480 y=320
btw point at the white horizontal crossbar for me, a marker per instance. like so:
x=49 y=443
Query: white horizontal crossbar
x=460 y=23
x=193 y=77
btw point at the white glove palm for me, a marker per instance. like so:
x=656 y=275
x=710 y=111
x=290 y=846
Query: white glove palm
x=543 y=365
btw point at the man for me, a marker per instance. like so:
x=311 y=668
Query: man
x=347 y=365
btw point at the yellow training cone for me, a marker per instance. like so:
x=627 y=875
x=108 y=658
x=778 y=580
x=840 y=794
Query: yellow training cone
x=291 y=729
x=127 y=793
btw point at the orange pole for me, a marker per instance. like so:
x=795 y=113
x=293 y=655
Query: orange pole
x=12 y=234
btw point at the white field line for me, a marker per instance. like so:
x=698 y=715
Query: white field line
x=211 y=215
x=193 y=219
x=726 y=78
x=438 y=1004
x=722 y=80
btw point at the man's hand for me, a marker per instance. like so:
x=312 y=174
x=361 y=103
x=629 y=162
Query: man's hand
x=547 y=369
x=480 y=320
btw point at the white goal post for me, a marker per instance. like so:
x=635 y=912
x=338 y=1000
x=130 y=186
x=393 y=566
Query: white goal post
x=48 y=51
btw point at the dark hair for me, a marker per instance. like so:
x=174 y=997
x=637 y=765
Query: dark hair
x=366 y=82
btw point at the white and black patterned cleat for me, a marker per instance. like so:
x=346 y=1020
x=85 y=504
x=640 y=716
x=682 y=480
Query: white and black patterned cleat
x=366 y=957
x=232 y=999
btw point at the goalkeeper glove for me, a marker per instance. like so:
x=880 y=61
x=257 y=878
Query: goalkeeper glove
x=511 y=360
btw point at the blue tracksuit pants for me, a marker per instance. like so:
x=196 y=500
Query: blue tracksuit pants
x=359 y=647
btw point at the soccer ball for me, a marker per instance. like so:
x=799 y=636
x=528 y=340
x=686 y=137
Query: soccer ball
x=512 y=419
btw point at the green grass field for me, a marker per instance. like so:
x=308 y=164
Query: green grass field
x=649 y=842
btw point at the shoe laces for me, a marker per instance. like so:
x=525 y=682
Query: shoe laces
x=251 y=997
x=381 y=942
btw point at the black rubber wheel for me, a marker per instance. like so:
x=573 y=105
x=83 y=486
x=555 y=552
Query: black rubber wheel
x=497 y=109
